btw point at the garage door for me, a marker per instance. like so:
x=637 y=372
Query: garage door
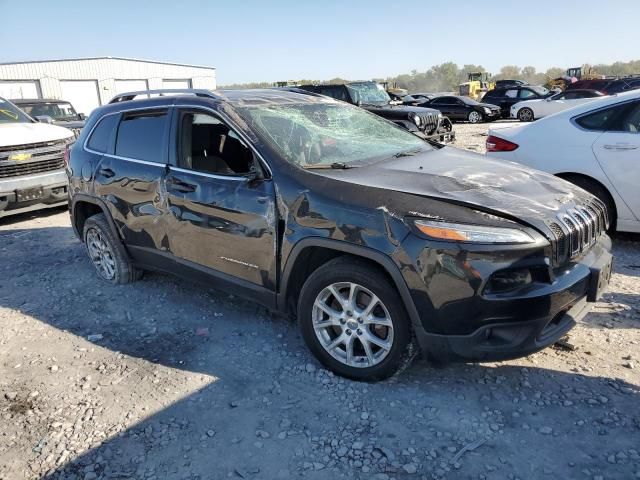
x=176 y=83
x=123 y=86
x=83 y=94
x=22 y=89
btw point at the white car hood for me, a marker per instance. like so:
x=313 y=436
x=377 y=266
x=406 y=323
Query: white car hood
x=25 y=133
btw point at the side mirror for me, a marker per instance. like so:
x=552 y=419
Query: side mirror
x=82 y=116
x=44 y=119
x=254 y=174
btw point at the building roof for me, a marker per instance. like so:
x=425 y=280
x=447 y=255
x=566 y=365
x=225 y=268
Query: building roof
x=108 y=58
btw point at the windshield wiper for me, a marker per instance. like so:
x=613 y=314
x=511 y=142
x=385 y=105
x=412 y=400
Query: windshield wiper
x=408 y=153
x=335 y=166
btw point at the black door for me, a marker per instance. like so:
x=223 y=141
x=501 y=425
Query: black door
x=447 y=106
x=220 y=216
x=130 y=176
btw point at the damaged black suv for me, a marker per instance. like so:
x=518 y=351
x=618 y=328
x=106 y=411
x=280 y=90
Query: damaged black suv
x=427 y=123
x=376 y=240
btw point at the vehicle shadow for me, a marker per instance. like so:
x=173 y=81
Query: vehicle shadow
x=187 y=382
x=24 y=217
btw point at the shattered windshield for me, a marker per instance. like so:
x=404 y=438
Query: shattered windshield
x=323 y=135
x=57 y=111
x=9 y=113
x=369 y=92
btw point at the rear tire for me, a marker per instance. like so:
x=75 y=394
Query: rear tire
x=598 y=191
x=379 y=338
x=106 y=252
x=525 y=114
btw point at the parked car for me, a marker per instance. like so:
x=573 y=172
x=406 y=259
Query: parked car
x=607 y=86
x=425 y=122
x=32 y=162
x=373 y=238
x=505 y=98
x=530 y=110
x=509 y=83
x=464 y=109
x=58 y=112
x=595 y=146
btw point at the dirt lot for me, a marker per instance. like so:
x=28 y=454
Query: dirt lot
x=168 y=380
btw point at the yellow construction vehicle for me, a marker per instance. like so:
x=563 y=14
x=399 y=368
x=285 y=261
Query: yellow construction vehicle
x=573 y=74
x=477 y=85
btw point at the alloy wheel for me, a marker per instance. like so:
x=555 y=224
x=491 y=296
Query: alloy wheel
x=525 y=115
x=352 y=324
x=101 y=254
x=475 y=117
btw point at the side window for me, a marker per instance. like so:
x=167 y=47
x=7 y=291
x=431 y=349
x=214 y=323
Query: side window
x=101 y=136
x=602 y=119
x=338 y=93
x=631 y=119
x=141 y=136
x=511 y=94
x=208 y=145
x=526 y=93
x=439 y=101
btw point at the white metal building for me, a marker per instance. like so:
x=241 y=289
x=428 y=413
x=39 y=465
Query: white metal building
x=90 y=82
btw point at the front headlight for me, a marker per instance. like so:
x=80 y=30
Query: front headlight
x=417 y=120
x=459 y=232
x=487 y=110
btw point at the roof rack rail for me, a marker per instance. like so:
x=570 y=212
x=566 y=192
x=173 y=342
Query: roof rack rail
x=124 y=97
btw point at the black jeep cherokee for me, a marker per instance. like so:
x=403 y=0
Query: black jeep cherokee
x=373 y=238
x=427 y=123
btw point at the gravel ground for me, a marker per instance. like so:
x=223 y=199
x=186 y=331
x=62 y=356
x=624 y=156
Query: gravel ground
x=164 y=379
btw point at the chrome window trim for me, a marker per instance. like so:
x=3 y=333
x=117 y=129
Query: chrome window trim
x=135 y=160
x=237 y=178
x=223 y=117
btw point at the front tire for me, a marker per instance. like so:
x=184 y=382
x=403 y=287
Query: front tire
x=525 y=114
x=475 y=117
x=106 y=252
x=354 y=322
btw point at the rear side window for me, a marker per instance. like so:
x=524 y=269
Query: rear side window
x=511 y=93
x=141 y=136
x=602 y=119
x=100 y=139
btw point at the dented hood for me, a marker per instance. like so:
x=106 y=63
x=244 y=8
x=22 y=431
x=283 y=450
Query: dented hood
x=465 y=178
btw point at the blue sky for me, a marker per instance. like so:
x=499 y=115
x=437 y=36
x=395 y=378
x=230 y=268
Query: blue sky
x=281 y=39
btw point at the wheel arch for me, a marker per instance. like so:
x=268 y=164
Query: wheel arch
x=568 y=176
x=84 y=206
x=310 y=253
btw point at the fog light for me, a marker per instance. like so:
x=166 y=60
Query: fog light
x=507 y=280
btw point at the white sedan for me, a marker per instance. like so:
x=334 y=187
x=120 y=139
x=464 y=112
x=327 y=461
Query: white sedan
x=530 y=110
x=595 y=146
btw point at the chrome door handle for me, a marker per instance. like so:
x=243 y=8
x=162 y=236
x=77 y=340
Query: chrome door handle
x=621 y=146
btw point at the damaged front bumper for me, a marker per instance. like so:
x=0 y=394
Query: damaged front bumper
x=493 y=327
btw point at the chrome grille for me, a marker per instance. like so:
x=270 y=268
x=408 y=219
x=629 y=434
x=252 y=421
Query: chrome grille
x=578 y=229
x=430 y=122
x=43 y=157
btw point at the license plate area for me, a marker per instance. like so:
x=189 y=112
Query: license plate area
x=600 y=278
x=29 y=194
